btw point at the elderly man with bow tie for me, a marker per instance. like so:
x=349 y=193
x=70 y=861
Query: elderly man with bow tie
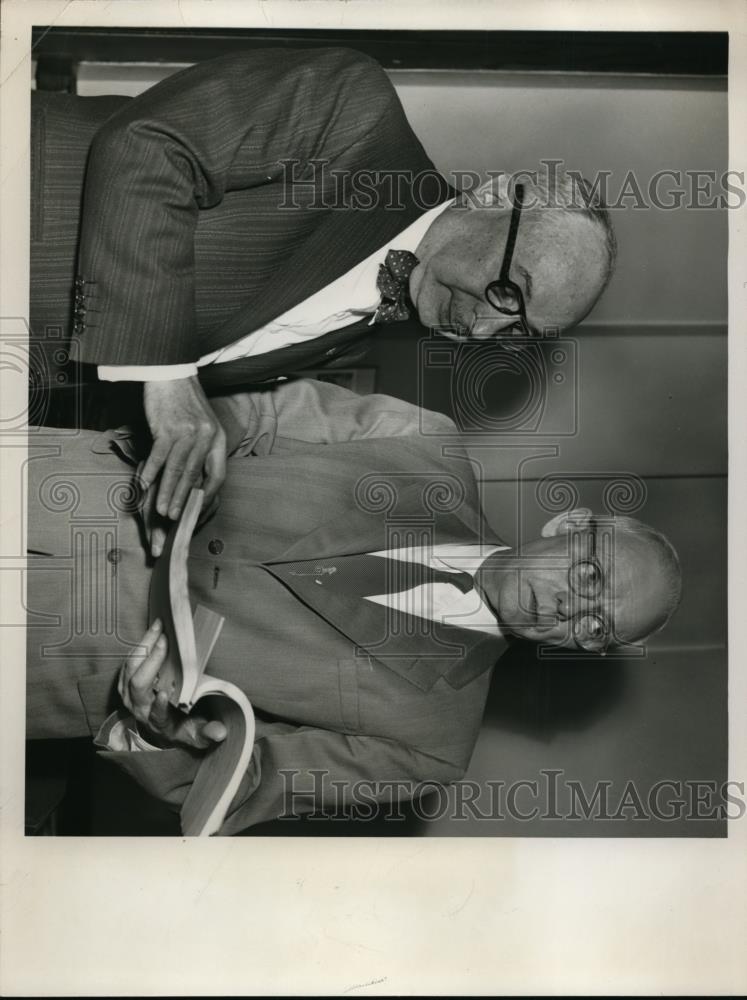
x=365 y=600
x=269 y=211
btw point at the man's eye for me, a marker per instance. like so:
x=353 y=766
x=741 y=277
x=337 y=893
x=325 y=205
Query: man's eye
x=595 y=630
x=590 y=627
x=510 y=299
x=589 y=577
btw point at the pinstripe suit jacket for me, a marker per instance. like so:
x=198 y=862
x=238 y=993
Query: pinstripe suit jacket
x=339 y=685
x=211 y=205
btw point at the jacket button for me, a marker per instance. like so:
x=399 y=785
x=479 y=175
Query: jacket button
x=215 y=546
x=114 y=555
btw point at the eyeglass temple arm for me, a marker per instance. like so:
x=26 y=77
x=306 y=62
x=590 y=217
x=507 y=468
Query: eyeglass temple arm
x=512 y=231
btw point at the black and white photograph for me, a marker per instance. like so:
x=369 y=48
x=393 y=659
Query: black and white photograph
x=213 y=212
x=371 y=450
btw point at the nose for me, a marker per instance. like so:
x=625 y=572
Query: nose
x=568 y=605
x=490 y=325
x=563 y=605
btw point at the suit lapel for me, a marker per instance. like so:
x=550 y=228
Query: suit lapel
x=342 y=239
x=355 y=530
x=419 y=650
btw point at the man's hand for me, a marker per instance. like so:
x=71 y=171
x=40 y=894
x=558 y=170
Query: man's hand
x=188 y=443
x=161 y=723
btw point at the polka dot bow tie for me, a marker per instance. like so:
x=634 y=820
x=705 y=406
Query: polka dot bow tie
x=392 y=282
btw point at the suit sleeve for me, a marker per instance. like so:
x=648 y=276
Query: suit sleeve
x=295 y=771
x=322 y=413
x=221 y=126
x=312 y=412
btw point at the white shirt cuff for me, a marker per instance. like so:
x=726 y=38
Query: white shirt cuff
x=119 y=732
x=145 y=373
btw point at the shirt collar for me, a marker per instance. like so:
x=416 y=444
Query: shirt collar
x=465 y=557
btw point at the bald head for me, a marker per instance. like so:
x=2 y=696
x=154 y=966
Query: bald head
x=650 y=576
x=562 y=258
x=564 y=254
x=588 y=582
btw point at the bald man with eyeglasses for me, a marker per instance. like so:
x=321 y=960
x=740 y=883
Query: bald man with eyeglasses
x=366 y=601
x=270 y=211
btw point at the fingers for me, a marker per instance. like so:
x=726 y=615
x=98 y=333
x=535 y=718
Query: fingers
x=188 y=443
x=197 y=732
x=138 y=676
x=215 y=468
x=136 y=684
x=157 y=539
x=159 y=712
x=138 y=655
x=214 y=732
x=184 y=430
x=151 y=708
x=155 y=527
x=158 y=455
x=180 y=465
x=183 y=470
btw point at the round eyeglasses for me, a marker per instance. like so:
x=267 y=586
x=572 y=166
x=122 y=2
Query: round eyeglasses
x=504 y=295
x=591 y=630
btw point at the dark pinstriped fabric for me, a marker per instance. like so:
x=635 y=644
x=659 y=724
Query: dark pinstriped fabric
x=185 y=245
x=62 y=128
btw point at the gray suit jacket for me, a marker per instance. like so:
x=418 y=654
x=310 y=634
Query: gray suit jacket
x=190 y=233
x=337 y=685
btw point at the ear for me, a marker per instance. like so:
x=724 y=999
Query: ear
x=568 y=520
x=492 y=192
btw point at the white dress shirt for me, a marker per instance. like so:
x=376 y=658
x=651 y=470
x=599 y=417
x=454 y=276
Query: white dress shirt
x=442 y=602
x=345 y=301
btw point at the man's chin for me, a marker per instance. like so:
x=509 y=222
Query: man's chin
x=433 y=316
x=539 y=636
x=518 y=632
x=514 y=629
x=529 y=631
x=436 y=317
